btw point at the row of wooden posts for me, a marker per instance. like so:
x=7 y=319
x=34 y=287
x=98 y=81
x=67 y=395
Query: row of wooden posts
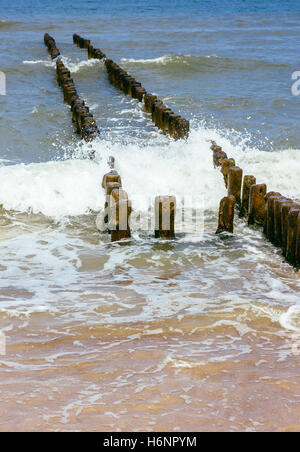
x=81 y=116
x=277 y=214
x=162 y=116
x=51 y=45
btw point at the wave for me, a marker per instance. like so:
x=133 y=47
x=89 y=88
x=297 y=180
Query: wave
x=159 y=60
x=148 y=168
x=8 y=23
x=209 y=62
x=73 y=66
x=56 y=189
x=77 y=66
x=45 y=63
x=290 y=320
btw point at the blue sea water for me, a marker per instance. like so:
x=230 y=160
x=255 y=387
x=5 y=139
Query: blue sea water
x=230 y=62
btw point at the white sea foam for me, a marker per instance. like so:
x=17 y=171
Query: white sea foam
x=73 y=66
x=62 y=188
x=55 y=189
x=46 y=63
x=164 y=60
x=77 y=66
x=290 y=320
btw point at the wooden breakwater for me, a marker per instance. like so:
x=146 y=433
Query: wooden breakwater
x=162 y=116
x=85 y=124
x=278 y=215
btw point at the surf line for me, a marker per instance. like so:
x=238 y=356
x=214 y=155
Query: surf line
x=82 y=118
x=278 y=215
x=162 y=116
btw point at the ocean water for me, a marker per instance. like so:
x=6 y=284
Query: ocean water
x=197 y=334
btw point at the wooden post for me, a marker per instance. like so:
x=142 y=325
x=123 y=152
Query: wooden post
x=218 y=157
x=165 y=119
x=165 y=210
x=226 y=164
x=292 y=235
x=285 y=210
x=257 y=204
x=172 y=125
x=278 y=203
x=149 y=99
x=226 y=215
x=182 y=128
x=235 y=177
x=269 y=226
x=155 y=111
x=297 y=256
x=119 y=213
x=248 y=182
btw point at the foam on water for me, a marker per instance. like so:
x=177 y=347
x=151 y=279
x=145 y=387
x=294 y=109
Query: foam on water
x=38 y=266
x=55 y=189
x=290 y=320
x=45 y=63
x=204 y=61
x=165 y=59
x=73 y=66
x=67 y=188
x=77 y=66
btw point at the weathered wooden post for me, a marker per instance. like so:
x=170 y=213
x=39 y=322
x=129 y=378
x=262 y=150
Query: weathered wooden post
x=119 y=214
x=157 y=114
x=297 y=256
x=149 y=100
x=247 y=184
x=269 y=226
x=51 y=44
x=292 y=235
x=182 y=128
x=139 y=93
x=112 y=176
x=235 y=177
x=226 y=215
x=165 y=210
x=165 y=119
x=155 y=107
x=278 y=203
x=218 y=157
x=214 y=146
x=285 y=210
x=110 y=186
x=257 y=204
x=162 y=113
x=226 y=164
x=172 y=125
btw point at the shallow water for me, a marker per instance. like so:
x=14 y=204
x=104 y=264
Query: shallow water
x=198 y=334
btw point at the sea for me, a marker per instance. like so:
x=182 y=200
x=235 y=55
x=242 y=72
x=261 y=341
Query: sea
x=201 y=333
